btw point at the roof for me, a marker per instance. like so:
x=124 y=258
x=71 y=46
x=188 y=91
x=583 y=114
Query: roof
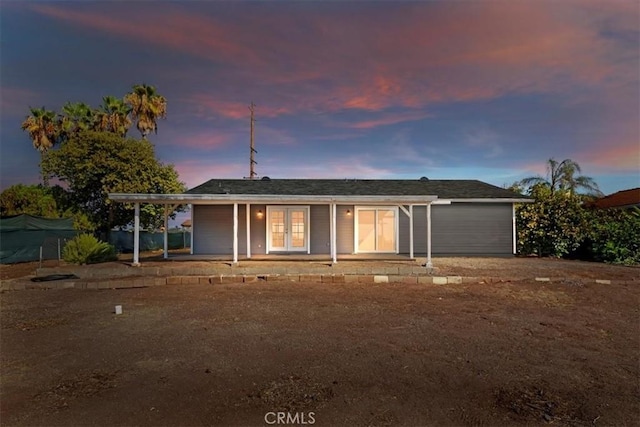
x=624 y=198
x=322 y=191
x=443 y=189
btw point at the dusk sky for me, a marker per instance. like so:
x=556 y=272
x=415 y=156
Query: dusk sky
x=483 y=90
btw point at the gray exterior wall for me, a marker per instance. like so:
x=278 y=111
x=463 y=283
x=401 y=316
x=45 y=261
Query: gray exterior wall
x=457 y=229
x=319 y=230
x=344 y=228
x=419 y=230
x=213 y=229
x=472 y=229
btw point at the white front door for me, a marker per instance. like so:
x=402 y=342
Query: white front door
x=288 y=228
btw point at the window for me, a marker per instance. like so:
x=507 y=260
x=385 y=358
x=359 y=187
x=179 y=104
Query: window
x=376 y=229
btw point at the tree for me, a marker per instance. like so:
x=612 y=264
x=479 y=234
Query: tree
x=42 y=129
x=114 y=116
x=563 y=177
x=93 y=164
x=553 y=225
x=35 y=200
x=146 y=107
x=75 y=118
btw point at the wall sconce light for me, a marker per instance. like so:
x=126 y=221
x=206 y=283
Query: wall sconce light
x=259 y=214
x=348 y=212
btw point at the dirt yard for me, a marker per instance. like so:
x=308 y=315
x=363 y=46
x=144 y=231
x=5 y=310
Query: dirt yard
x=509 y=353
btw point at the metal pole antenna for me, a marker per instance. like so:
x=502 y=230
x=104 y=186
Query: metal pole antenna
x=252 y=162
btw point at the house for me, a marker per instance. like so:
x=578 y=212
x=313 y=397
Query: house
x=621 y=199
x=332 y=217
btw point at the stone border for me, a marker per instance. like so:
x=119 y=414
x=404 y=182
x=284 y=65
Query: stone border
x=144 y=282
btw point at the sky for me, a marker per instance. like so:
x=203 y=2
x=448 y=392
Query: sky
x=484 y=90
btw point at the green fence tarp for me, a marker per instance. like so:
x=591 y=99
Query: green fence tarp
x=22 y=236
x=149 y=241
x=28 y=222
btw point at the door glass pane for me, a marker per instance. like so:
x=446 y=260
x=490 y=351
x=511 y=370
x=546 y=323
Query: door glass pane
x=386 y=230
x=277 y=228
x=366 y=231
x=297 y=229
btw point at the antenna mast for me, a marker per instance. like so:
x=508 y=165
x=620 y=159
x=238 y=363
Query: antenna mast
x=252 y=162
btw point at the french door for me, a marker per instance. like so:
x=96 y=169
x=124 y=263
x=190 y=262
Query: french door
x=288 y=228
x=376 y=230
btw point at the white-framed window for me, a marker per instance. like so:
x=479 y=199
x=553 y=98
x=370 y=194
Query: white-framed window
x=376 y=229
x=288 y=229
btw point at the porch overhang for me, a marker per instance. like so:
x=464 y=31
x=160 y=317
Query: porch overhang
x=223 y=199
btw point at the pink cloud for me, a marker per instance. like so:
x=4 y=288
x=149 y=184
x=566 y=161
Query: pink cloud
x=167 y=26
x=411 y=55
x=389 y=119
x=16 y=101
x=196 y=172
x=209 y=106
x=621 y=157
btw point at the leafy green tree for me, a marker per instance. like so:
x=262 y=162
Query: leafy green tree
x=93 y=164
x=614 y=236
x=35 y=200
x=146 y=107
x=554 y=225
x=563 y=176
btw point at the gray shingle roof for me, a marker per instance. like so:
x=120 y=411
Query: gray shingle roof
x=444 y=189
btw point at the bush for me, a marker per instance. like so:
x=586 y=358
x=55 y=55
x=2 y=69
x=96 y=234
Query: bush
x=554 y=225
x=615 y=236
x=86 y=249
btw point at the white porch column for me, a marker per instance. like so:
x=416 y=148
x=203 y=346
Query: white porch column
x=166 y=233
x=333 y=234
x=235 y=233
x=136 y=235
x=248 y=228
x=411 y=231
x=513 y=221
x=191 y=234
x=429 y=264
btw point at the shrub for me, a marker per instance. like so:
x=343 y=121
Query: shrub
x=554 y=225
x=615 y=236
x=86 y=249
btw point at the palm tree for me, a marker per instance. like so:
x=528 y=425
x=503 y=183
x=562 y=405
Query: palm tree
x=76 y=117
x=147 y=107
x=42 y=129
x=563 y=177
x=114 y=116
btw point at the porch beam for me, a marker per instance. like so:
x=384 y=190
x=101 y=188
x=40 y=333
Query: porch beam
x=136 y=235
x=248 y=228
x=429 y=264
x=411 y=231
x=235 y=233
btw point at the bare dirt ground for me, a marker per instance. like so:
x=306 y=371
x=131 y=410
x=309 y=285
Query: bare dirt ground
x=507 y=268
x=509 y=353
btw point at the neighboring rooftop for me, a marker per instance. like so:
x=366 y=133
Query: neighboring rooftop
x=444 y=189
x=621 y=199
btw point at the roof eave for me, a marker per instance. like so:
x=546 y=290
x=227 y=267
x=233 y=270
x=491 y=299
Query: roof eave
x=491 y=200
x=264 y=198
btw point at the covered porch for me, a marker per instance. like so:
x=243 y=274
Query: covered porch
x=404 y=205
